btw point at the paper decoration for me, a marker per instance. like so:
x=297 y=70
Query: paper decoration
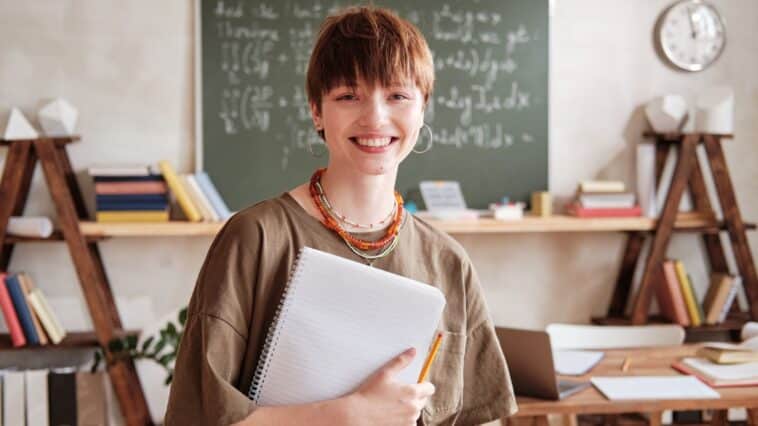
x=714 y=111
x=18 y=127
x=58 y=118
x=666 y=113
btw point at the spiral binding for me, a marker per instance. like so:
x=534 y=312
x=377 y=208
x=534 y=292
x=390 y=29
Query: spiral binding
x=272 y=336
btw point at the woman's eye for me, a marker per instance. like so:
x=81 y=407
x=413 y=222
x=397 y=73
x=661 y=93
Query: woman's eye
x=399 y=97
x=346 y=97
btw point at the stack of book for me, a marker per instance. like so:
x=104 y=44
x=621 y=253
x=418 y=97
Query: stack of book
x=600 y=198
x=129 y=194
x=678 y=301
x=196 y=195
x=27 y=314
x=54 y=397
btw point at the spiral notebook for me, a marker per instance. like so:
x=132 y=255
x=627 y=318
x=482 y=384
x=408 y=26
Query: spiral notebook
x=338 y=322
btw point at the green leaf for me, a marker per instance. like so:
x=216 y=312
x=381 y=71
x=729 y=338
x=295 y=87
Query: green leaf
x=183 y=317
x=165 y=359
x=146 y=344
x=131 y=341
x=169 y=378
x=159 y=347
x=171 y=329
x=116 y=345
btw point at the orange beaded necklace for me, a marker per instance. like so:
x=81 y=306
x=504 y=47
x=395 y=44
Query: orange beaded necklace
x=330 y=222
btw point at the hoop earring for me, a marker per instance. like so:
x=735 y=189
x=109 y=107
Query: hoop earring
x=309 y=146
x=431 y=140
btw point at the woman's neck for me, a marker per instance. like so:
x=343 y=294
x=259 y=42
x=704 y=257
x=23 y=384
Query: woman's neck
x=360 y=198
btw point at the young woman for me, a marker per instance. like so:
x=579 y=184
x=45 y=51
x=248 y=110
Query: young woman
x=369 y=79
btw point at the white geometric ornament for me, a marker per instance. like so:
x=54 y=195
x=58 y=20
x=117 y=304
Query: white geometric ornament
x=666 y=113
x=18 y=127
x=58 y=118
x=715 y=111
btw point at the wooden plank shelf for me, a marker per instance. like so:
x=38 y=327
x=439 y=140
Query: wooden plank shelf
x=555 y=223
x=81 y=339
x=732 y=325
x=57 y=141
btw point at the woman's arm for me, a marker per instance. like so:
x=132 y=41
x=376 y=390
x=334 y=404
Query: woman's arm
x=380 y=400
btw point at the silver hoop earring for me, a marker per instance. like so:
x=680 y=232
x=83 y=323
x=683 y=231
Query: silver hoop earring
x=431 y=140
x=309 y=146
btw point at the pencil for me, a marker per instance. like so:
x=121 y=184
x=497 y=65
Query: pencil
x=430 y=358
x=626 y=364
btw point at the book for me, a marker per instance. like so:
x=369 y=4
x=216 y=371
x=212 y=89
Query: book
x=47 y=316
x=652 y=387
x=698 y=305
x=670 y=300
x=210 y=191
x=601 y=186
x=716 y=296
x=189 y=209
x=732 y=353
x=197 y=197
x=608 y=200
x=579 y=211
x=122 y=179
x=120 y=170
x=719 y=375
x=136 y=198
x=118 y=188
x=110 y=206
x=646 y=182
x=339 y=321
x=203 y=199
x=90 y=398
x=13 y=398
x=22 y=309
x=688 y=293
x=36 y=398
x=61 y=385
x=9 y=313
x=26 y=286
x=730 y=298
x=132 y=216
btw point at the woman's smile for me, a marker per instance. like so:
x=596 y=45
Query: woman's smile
x=373 y=144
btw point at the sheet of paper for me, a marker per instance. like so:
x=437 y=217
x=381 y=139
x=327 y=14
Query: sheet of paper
x=653 y=387
x=575 y=363
x=745 y=370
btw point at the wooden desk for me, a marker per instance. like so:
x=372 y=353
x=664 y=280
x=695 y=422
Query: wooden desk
x=644 y=362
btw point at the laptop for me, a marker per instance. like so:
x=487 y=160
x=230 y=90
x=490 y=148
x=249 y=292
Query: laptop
x=530 y=362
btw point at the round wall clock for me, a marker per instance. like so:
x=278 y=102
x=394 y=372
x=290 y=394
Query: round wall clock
x=691 y=34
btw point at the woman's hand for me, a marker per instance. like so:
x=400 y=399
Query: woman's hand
x=381 y=399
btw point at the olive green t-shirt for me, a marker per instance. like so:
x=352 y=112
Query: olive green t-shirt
x=241 y=283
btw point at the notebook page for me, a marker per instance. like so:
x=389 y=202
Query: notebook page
x=653 y=387
x=342 y=321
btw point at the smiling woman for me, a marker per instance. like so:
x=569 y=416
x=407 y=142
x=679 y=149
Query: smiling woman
x=369 y=79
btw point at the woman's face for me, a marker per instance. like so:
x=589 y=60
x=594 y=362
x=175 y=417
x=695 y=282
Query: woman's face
x=370 y=129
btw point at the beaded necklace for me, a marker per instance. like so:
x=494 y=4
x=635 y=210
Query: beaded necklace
x=359 y=246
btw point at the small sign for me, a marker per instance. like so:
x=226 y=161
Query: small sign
x=442 y=195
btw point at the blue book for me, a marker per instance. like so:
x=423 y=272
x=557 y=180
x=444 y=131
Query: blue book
x=125 y=198
x=132 y=205
x=206 y=185
x=22 y=309
x=151 y=178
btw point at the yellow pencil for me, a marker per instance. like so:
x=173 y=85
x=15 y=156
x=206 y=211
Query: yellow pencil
x=626 y=364
x=430 y=358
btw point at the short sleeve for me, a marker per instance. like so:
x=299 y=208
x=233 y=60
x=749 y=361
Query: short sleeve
x=205 y=388
x=487 y=389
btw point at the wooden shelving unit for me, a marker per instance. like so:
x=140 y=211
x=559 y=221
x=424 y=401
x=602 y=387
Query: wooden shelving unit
x=687 y=174
x=20 y=163
x=72 y=340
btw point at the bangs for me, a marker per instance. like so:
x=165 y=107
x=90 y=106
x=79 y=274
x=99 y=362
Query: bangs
x=370 y=45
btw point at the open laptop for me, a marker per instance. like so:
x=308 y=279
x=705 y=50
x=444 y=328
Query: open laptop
x=530 y=362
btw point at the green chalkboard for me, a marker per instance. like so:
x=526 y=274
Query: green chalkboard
x=489 y=109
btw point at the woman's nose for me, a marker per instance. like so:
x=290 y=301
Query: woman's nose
x=375 y=113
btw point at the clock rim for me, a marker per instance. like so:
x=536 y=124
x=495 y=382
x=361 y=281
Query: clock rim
x=668 y=55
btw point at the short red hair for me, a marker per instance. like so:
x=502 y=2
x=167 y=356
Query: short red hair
x=372 y=44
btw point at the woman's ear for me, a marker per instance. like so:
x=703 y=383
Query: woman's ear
x=316 y=116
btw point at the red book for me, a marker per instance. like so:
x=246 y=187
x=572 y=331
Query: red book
x=11 y=320
x=113 y=188
x=579 y=211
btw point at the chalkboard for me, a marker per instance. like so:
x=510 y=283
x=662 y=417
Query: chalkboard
x=489 y=109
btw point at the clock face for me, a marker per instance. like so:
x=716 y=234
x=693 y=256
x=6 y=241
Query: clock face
x=692 y=35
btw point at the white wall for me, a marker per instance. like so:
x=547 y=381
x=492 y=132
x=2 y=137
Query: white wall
x=128 y=67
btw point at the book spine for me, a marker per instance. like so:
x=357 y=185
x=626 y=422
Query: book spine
x=132 y=216
x=209 y=189
x=686 y=289
x=36 y=398
x=181 y=194
x=730 y=298
x=118 y=188
x=699 y=306
x=62 y=390
x=202 y=200
x=580 y=211
x=120 y=179
x=22 y=310
x=9 y=313
x=184 y=179
x=14 y=412
x=131 y=205
x=26 y=286
x=674 y=290
x=47 y=316
x=138 y=198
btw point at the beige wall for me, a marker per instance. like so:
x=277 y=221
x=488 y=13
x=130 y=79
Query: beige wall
x=128 y=68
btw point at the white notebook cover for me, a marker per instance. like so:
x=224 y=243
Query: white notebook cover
x=338 y=323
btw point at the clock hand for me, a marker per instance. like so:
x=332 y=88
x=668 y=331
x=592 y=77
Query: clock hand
x=692 y=22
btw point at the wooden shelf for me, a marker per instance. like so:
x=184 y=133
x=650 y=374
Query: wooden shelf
x=732 y=326
x=58 y=141
x=56 y=236
x=82 y=339
x=677 y=136
x=555 y=223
